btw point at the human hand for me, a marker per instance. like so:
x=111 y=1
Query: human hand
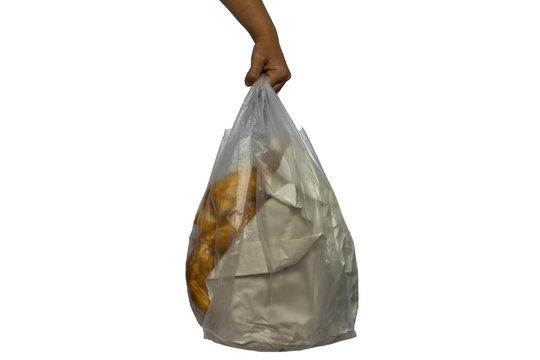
x=267 y=57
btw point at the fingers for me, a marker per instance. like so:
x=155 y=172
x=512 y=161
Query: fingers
x=257 y=64
x=277 y=79
x=278 y=86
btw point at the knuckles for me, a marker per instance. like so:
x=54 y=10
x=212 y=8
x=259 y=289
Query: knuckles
x=285 y=75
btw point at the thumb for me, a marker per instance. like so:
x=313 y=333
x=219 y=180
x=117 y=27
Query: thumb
x=255 y=71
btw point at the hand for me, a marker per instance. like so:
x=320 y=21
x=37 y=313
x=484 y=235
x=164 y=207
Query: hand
x=267 y=57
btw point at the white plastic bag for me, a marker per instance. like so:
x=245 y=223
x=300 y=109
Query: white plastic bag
x=271 y=264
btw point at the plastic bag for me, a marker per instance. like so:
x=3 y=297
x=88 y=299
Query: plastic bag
x=271 y=264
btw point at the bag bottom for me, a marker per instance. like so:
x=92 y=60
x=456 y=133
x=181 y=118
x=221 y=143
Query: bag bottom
x=273 y=347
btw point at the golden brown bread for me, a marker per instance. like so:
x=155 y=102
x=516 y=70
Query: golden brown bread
x=228 y=204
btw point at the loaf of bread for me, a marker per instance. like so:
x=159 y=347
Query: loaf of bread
x=228 y=205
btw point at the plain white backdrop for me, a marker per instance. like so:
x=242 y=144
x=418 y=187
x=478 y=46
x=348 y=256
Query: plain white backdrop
x=424 y=114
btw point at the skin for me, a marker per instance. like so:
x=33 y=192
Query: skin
x=267 y=56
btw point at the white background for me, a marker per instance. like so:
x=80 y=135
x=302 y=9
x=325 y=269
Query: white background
x=424 y=114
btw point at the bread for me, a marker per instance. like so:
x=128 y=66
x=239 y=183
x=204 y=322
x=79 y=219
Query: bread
x=228 y=205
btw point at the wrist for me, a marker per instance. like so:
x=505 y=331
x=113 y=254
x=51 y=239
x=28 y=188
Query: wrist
x=268 y=37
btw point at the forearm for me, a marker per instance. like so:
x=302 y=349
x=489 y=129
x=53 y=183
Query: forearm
x=252 y=15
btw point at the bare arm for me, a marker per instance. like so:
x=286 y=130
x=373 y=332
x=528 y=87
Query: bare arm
x=267 y=56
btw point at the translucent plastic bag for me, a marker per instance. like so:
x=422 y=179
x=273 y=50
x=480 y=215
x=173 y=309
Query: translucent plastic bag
x=271 y=264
